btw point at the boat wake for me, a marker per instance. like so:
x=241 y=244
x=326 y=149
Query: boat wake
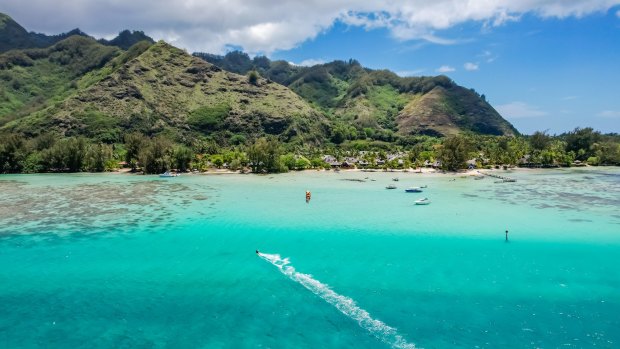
x=344 y=304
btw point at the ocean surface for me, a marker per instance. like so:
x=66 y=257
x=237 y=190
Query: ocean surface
x=127 y=261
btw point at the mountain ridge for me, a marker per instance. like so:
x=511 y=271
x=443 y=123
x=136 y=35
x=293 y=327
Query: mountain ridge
x=371 y=98
x=15 y=37
x=164 y=90
x=103 y=89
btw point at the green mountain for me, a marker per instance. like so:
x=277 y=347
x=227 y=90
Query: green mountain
x=126 y=39
x=160 y=89
x=103 y=89
x=378 y=99
x=33 y=79
x=14 y=37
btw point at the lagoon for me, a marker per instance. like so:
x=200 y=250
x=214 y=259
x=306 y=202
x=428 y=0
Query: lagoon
x=114 y=261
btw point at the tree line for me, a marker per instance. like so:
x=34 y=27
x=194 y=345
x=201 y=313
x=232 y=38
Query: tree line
x=51 y=153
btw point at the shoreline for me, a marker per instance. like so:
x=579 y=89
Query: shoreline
x=418 y=171
x=423 y=171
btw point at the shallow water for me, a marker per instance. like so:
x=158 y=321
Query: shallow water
x=122 y=261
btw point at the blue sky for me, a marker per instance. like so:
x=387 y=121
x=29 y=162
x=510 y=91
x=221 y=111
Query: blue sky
x=543 y=64
x=541 y=74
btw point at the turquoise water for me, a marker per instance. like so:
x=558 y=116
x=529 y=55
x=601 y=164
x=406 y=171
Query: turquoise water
x=122 y=261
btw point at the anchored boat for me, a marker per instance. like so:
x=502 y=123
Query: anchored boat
x=414 y=190
x=424 y=201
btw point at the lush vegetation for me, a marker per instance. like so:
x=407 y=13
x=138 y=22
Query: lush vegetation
x=71 y=103
x=378 y=100
x=79 y=87
x=50 y=153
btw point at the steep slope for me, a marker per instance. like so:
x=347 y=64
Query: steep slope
x=378 y=99
x=165 y=90
x=14 y=36
x=447 y=111
x=31 y=79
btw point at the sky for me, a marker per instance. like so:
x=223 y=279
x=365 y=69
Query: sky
x=543 y=64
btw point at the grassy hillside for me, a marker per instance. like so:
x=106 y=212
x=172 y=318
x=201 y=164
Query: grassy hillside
x=378 y=99
x=444 y=111
x=164 y=90
x=104 y=89
x=33 y=79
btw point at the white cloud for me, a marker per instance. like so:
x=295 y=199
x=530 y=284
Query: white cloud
x=269 y=25
x=488 y=56
x=611 y=114
x=517 y=110
x=470 y=66
x=445 y=69
x=309 y=62
x=407 y=73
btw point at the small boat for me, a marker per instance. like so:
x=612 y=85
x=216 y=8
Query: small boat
x=478 y=177
x=395 y=179
x=414 y=190
x=390 y=187
x=424 y=201
x=168 y=174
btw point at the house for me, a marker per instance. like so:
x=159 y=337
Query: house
x=331 y=161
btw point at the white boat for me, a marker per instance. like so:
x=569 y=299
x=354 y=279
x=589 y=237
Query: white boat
x=390 y=187
x=424 y=201
x=395 y=179
x=168 y=174
x=414 y=190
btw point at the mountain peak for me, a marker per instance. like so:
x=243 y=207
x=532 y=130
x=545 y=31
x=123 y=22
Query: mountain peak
x=127 y=38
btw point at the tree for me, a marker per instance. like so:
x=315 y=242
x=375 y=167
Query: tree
x=540 y=140
x=302 y=163
x=264 y=155
x=217 y=160
x=289 y=161
x=133 y=145
x=581 y=141
x=182 y=158
x=75 y=149
x=12 y=153
x=453 y=153
x=609 y=153
x=98 y=157
x=253 y=77
x=156 y=156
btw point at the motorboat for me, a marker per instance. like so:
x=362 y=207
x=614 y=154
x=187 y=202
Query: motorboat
x=390 y=187
x=395 y=179
x=168 y=174
x=414 y=190
x=424 y=201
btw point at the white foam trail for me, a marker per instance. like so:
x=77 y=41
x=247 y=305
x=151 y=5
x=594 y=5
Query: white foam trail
x=346 y=305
